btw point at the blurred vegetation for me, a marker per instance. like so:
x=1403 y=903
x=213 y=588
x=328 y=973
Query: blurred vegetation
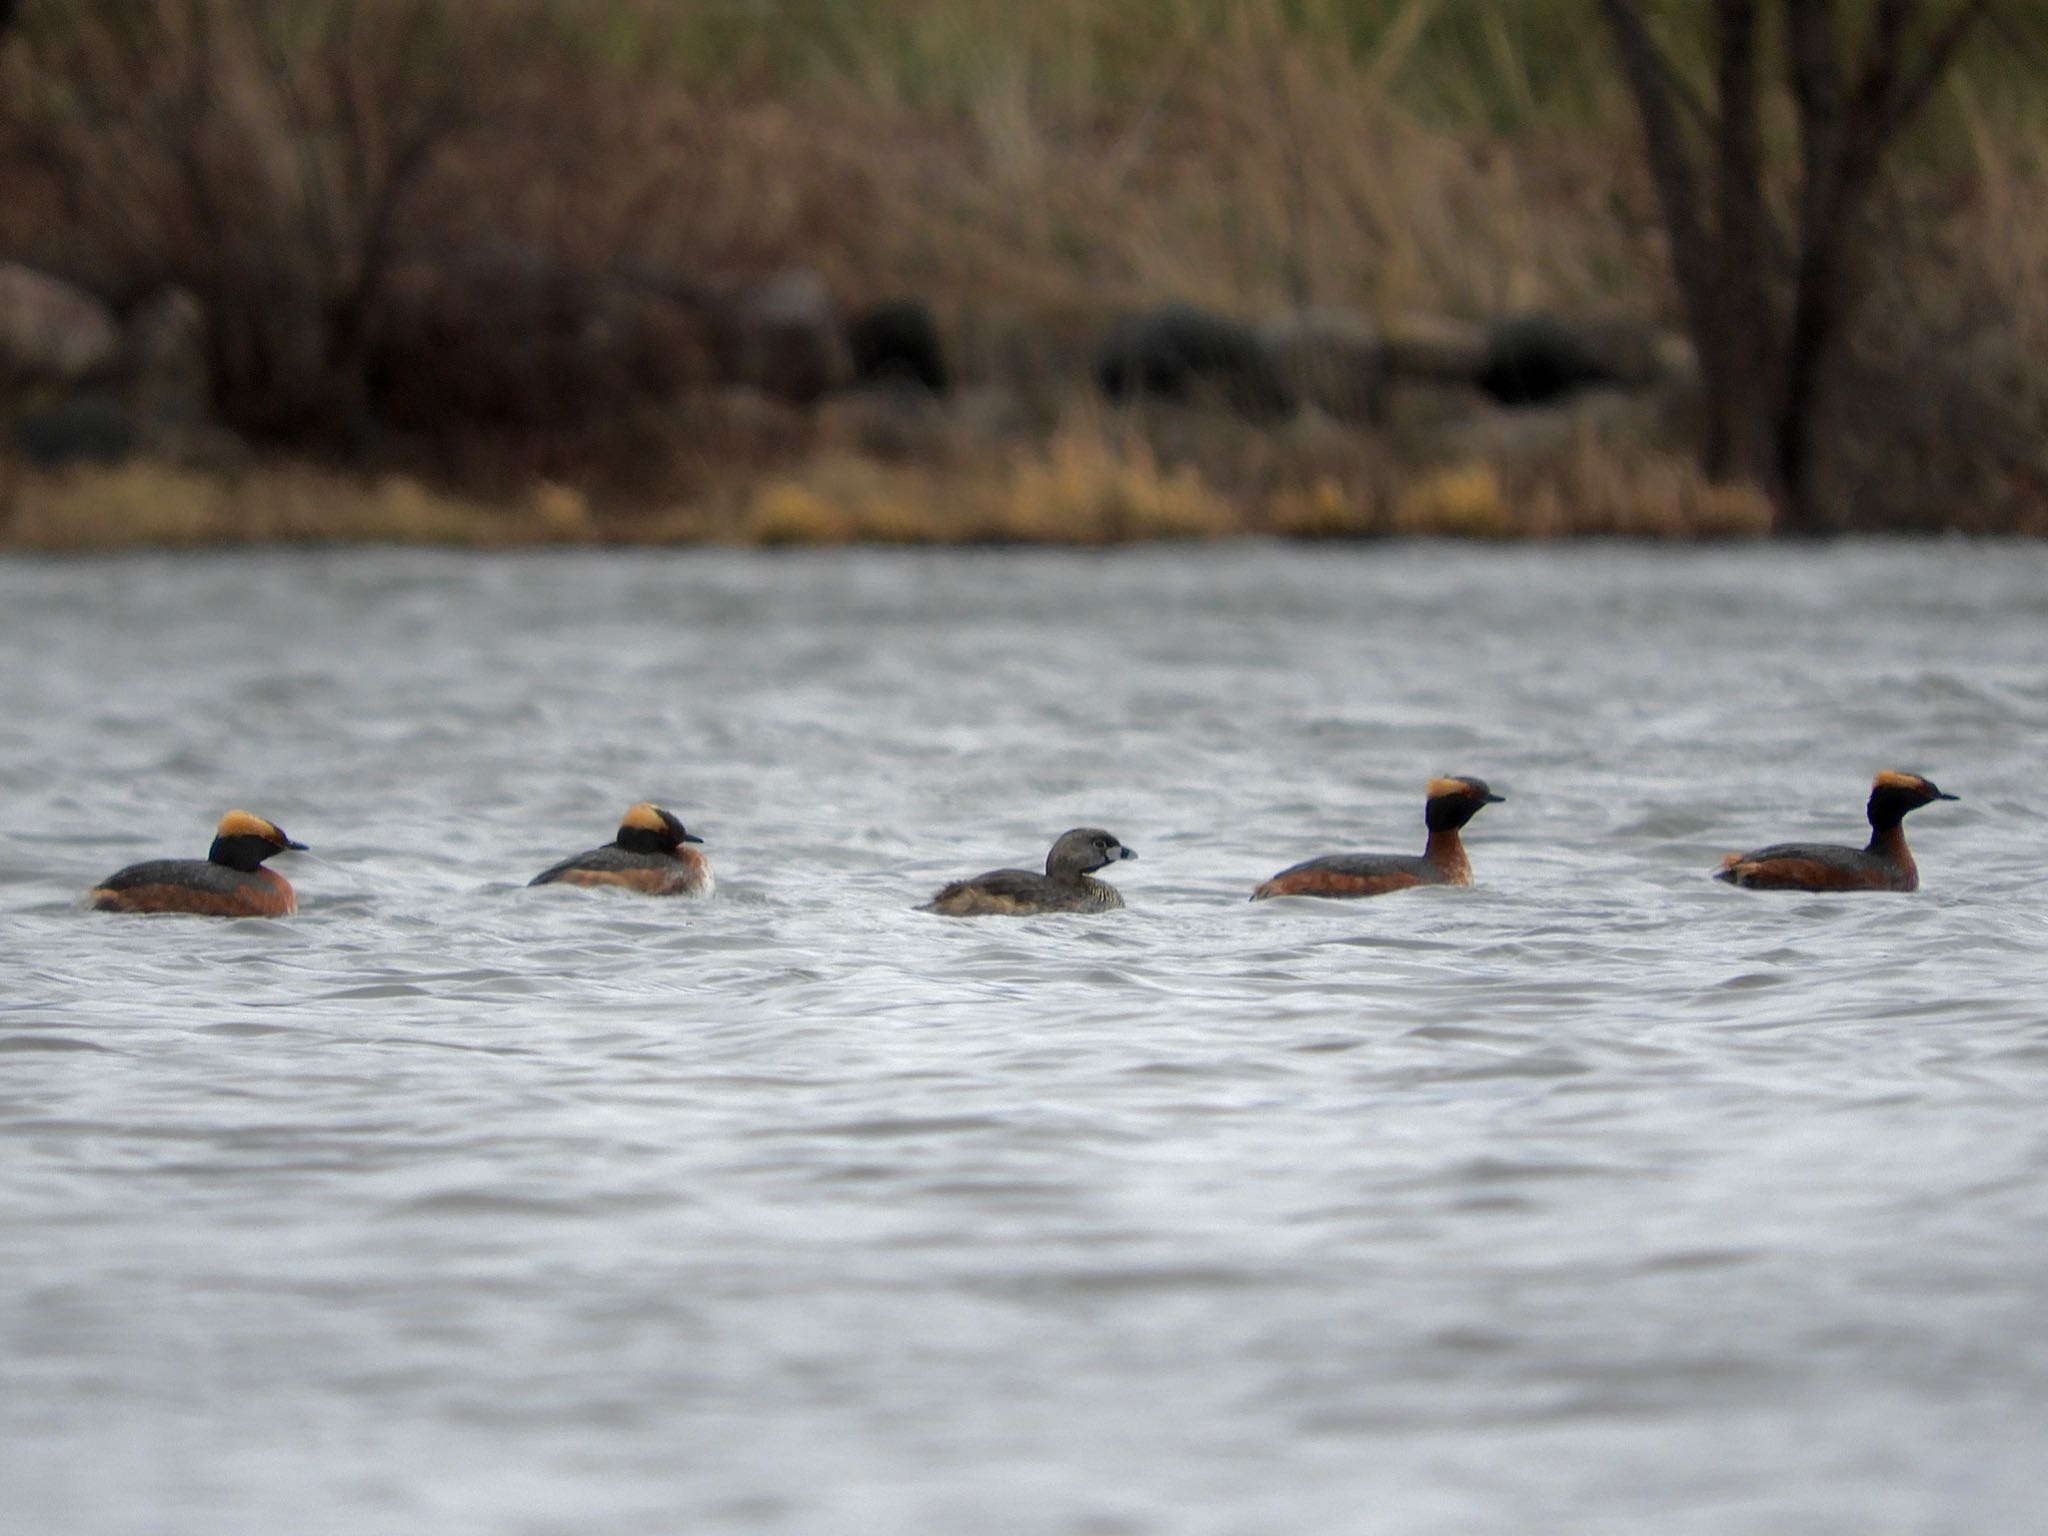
x=420 y=229
x=1461 y=64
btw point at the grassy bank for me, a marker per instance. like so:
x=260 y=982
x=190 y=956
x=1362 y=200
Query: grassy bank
x=1029 y=170
x=1084 y=487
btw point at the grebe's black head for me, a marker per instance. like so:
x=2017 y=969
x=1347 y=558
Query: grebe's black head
x=649 y=829
x=1453 y=802
x=243 y=842
x=1084 y=849
x=1892 y=795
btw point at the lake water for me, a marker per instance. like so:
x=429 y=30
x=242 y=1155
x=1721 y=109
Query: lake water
x=1597 y=1198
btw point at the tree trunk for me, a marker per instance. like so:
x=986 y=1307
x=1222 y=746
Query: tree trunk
x=1768 y=308
x=1742 y=399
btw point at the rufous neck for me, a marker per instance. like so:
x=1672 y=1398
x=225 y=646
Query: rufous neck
x=1889 y=842
x=1446 y=850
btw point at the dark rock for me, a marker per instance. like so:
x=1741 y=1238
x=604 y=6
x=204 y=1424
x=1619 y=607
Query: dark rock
x=1187 y=355
x=85 y=428
x=1535 y=359
x=896 y=344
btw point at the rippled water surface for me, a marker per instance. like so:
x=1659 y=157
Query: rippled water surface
x=1599 y=1197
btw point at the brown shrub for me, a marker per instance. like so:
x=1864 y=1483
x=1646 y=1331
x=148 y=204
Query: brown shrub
x=1939 y=416
x=261 y=156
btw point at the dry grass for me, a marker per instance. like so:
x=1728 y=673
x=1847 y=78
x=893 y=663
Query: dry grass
x=156 y=505
x=1097 y=483
x=1092 y=482
x=1081 y=487
x=1260 y=168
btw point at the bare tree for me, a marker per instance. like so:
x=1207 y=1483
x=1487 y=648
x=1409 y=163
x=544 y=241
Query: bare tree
x=259 y=153
x=1768 y=299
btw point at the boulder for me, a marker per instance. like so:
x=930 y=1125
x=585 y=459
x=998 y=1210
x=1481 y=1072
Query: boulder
x=1187 y=355
x=90 y=427
x=781 y=336
x=1536 y=359
x=1330 y=358
x=1432 y=349
x=163 y=359
x=896 y=345
x=50 y=331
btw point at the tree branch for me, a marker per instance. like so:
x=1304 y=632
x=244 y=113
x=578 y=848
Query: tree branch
x=1677 y=179
x=1940 y=53
x=1813 y=57
x=1739 y=147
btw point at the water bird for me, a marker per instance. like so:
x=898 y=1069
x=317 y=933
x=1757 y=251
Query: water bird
x=1064 y=887
x=1884 y=864
x=1448 y=804
x=229 y=882
x=651 y=854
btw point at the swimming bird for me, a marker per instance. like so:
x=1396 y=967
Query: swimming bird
x=1884 y=864
x=651 y=854
x=229 y=882
x=1064 y=887
x=1448 y=805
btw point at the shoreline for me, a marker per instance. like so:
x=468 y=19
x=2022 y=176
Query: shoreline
x=1068 y=493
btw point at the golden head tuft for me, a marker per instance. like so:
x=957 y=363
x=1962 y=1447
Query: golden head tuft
x=242 y=824
x=1890 y=779
x=646 y=816
x=1436 y=789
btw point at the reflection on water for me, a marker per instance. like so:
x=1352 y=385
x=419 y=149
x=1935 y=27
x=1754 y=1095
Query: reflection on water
x=1596 y=1197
